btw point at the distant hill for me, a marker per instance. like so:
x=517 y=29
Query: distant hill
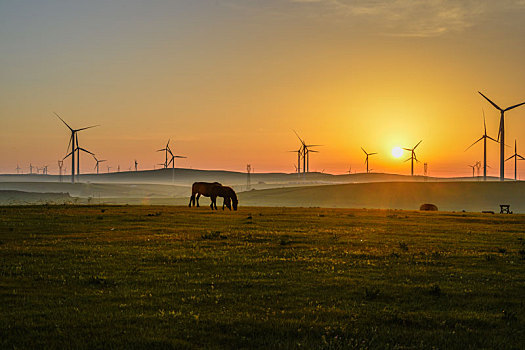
x=185 y=177
x=100 y=190
x=448 y=196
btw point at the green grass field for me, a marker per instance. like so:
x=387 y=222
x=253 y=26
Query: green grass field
x=174 y=277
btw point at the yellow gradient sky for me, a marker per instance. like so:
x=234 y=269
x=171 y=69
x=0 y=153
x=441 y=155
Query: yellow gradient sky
x=228 y=80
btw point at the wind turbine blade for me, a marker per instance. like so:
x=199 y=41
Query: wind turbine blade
x=491 y=138
x=364 y=151
x=87 y=127
x=69 y=144
x=521 y=158
x=371 y=154
x=492 y=103
x=85 y=150
x=484 y=123
x=417 y=144
x=160 y=150
x=103 y=160
x=300 y=139
x=481 y=138
x=67 y=155
x=408 y=159
x=180 y=157
x=509 y=158
x=63 y=121
x=314 y=145
x=508 y=109
x=408 y=149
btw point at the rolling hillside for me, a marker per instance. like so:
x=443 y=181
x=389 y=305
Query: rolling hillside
x=448 y=196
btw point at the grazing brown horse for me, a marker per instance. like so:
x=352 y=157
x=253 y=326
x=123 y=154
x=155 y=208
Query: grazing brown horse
x=230 y=198
x=201 y=188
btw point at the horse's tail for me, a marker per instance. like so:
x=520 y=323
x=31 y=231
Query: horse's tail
x=194 y=190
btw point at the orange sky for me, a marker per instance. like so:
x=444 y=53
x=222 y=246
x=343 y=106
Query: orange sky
x=227 y=81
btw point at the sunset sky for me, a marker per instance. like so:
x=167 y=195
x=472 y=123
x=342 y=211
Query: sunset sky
x=228 y=81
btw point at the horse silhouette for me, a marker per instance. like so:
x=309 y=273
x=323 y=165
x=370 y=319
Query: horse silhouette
x=201 y=188
x=213 y=190
x=230 y=198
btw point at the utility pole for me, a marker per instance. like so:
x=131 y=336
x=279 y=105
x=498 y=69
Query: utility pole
x=248 y=180
x=60 y=165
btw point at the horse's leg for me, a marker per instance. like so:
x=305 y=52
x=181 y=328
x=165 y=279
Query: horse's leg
x=212 y=198
x=198 y=196
x=192 y=200
x=227 y=202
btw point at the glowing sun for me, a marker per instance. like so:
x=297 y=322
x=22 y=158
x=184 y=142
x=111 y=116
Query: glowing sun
x=397 y=152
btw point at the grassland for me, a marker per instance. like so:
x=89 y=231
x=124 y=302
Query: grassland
x=173 y=277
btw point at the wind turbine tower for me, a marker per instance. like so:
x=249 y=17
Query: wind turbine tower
x=501 y=135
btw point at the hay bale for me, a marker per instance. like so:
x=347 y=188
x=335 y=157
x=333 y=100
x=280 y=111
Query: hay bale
x=428 y=207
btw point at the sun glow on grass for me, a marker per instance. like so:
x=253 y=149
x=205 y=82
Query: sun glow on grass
x=397 y=152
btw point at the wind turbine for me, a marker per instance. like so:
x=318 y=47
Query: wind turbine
x=412 y=157
x=136 y=165
x=72 y=154
x=366 y=159
x=17 y=168
x=98 y=161
x=515 y=156
x=478 y=166
x=172 y=162
x=165 y=149
x=72 y=141
x=473 y=168
x=30 y=168
x=484 y=137
x=306 y=153
x=298 y=166
x=501 y=135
